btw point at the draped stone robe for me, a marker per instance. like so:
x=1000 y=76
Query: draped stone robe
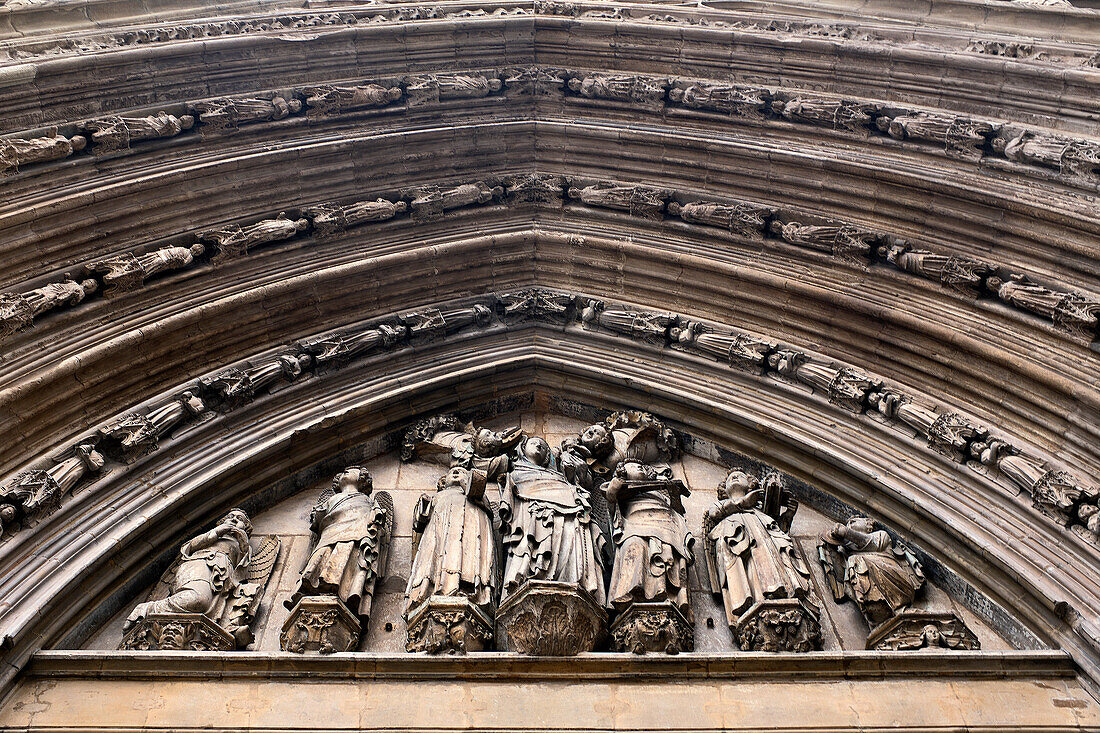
x=549 y=531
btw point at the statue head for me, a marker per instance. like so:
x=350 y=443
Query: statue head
x=860 y=523
x=487 y=442
x=737 y=484
x=457 y=476
x=237 y=518
x=537 y=451
x=353 y=478
x=636 y=471
x=598 y=440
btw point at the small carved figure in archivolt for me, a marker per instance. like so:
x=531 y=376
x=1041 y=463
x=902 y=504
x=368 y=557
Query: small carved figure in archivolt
x=1076 y=158
x=828 y=113
x=208 y=598
x=117 y=133
x=18 y=311
x=134 y=435
x=127 y=273
x=433 y=200
x=437 y=87
x=331 y=219
x=536 y=80
x=737 y=349
x=234 y=241
x=643 y=325
x=431 y=323
x=845 y=242
x=329 y=99
x=731 y=100
x=226 y=115
x=746 y=220
x=960 y=136
x=33 y=494
x=956 y=272
x=16 y=152
x=1072 y=312
x=342 y=347
x=636 y=90
x=640 y=201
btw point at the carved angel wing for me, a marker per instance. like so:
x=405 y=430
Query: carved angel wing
x=710 y=521
x=384 y=502
x=903 y=551
x=833 y=562
x=241 y=609
x=263 y=560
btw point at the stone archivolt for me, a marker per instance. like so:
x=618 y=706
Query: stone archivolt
x=1072 y=312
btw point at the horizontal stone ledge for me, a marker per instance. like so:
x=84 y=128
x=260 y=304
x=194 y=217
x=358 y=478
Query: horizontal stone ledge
x=820 y=666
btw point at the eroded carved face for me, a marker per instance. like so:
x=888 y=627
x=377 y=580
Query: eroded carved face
x=353 y=478
x=537 y=451
x=487 y=442
x=597 y=439
x=237 y=518
x=861 y=524
x=456 y=477
x=739 y=483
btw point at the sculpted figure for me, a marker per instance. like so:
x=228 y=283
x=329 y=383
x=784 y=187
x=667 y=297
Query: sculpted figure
x=637 y=90
x=751 y=560
x=651 y=327
x=351 y=533
x=746 y=220
x=134 y=435
x=550 y=532
x=958 y=273
x=537 y=304
x=116 y=133
x=626 y=436
x=845 y=242
x=18 y=311
x=536 y=80
x=1071 y=312
x=234 y=241
x=331 y=219
x=234 y=387
x=226 y=115
x=454 y=556
x=736 y=349
x=961 y=137
x=864 y=564
x=346 y=346
x=328 y=99
x=948 y=433
x=218 y=577
x=15 y=152
x=835 y=114
x=437 y=87
x=434 y=201
x=638 y=200
x=33 y=494
x=1070 y=157
x=543 y=187
x=126 y=273
x=844 y=386
x=653 y=553
x=732 y=100
x=433 y=323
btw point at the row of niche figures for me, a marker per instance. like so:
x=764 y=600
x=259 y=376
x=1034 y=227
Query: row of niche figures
x=548 y=551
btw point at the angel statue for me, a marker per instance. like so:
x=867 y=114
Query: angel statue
x=208 y=597
x=649 y=581
x=884 y=577
x=625 y=436
x=753 y=564
x=351 y=533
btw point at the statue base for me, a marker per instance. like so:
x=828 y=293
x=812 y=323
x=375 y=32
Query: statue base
x=652 y=627
x=320 y=624
x=778 y=625
x=193 y=632
x=911 y=630
x=550 y=618
x=448 y=624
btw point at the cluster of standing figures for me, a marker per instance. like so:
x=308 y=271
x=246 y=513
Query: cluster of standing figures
x=524 y=547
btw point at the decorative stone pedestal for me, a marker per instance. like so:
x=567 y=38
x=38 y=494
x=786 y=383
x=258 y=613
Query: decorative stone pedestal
x=549 y=618
x=320 y=623
x=652 y=627
x=778 y=625
x=922 y=630
x=448 y=624
x=178 y=631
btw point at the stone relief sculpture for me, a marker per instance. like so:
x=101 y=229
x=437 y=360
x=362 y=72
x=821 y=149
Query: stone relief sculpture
x=1071 y=312
x=128 y=272
x=16 y=152
x=331 y=219
x=329 y=99
x=208 y=598
x=746 y=220
x=432 y=323
x=737 y=349
x=961 y=274
x=18 y=310
x=341 y=347
x=232 y=388
x=117 y=133
x=845 y=242
x=883 y=577
x=635 y=90
x=536 y=80
x=34 y=494
x=351 y=529
x=835 y=114
x=648 y=203
x=732 y=100
x=947 y=433
x=541 y=187
x=753 y=564
x=1075 y=158
x=552 y=593
x=844 y=386
x=234 y=241
x=537 y=304
x=432 y=88
x=433 y=200
x=648 y=591
x=961 y=137
x=227 y=115
x=450 y=600
x=132 y=436
x=655 y=328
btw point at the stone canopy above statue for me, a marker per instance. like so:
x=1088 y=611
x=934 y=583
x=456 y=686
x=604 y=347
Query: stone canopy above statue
x=541 y=534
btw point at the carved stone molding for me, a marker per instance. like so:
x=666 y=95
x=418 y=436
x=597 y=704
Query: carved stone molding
x=321 y=624
x=779 y=625
x=550 y=619
x=448 y=624
x=911 y=630
x=178 y=632
x=652 y=627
